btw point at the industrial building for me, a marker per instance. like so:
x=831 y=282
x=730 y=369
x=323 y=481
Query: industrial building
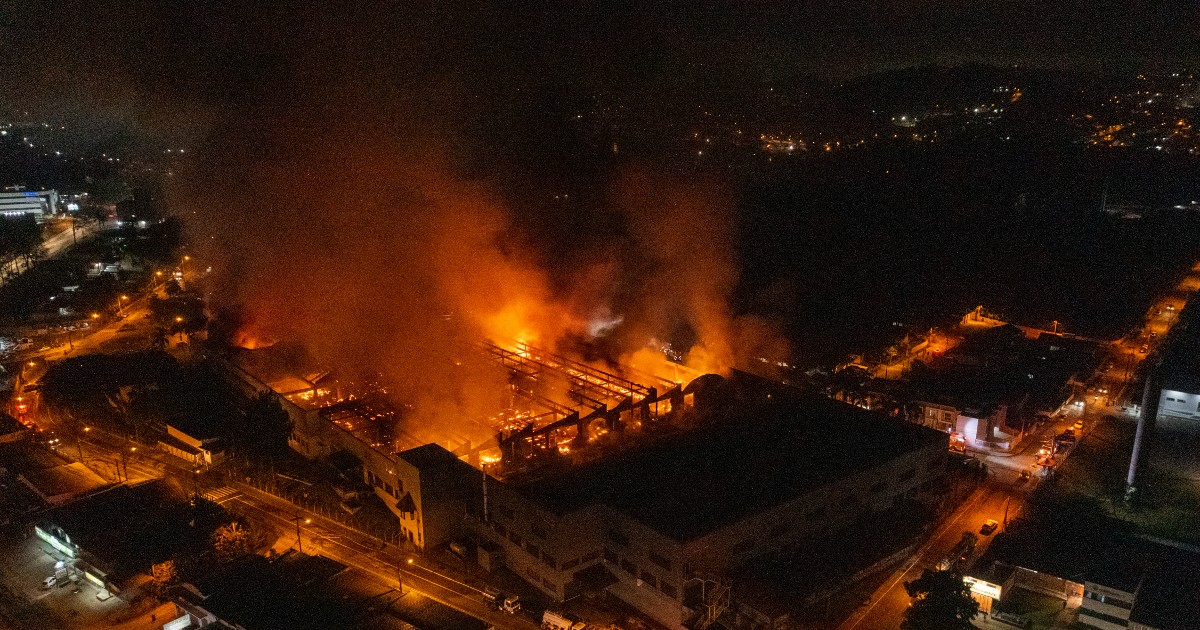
x=653 y=490
x=406 y=475
x=662 y=526
x=38 y=204
x=1179 y=372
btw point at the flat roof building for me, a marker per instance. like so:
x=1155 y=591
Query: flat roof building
x=663 y=526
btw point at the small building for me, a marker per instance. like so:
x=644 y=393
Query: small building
x=118 y=532
x=196 y=442
x=1107 y=577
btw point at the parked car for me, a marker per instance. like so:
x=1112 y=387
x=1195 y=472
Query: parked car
x=1078 y=426
x=989 y=526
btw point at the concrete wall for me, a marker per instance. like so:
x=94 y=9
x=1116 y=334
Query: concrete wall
x=654 y=570
x=1179 y=404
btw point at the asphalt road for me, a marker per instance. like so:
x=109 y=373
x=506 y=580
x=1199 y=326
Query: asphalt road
x=58 y=243
x=886 y=606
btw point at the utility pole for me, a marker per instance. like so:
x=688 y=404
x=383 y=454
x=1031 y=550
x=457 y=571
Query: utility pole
x=299 y=540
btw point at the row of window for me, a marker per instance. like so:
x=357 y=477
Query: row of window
x=622 y=540
x=378 y=482
x=1108 y=599
x=1086 y=612
x=1182 y=400
x=536 y=551
x=645 y=576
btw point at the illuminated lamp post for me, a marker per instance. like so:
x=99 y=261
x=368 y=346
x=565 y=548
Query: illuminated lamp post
x=400 y=575
x=79 y=442
x=299 y=540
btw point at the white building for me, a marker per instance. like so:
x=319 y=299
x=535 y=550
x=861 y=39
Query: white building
x=38 y=203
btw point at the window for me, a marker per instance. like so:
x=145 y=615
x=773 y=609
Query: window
x=515 y=538
x=618 y=537
x=933 y=413
x=667 y=589
x=659 y=560
x=387 y=487
x=570 y=564
x=1109 y=599
x=610 y=555
x=594 y=555
x=1085 y=612
x=649 y=578
x=629 y=567
x=538 y=531
x=534 y=550
x=550 y=560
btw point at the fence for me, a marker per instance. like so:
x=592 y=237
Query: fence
x=318 y=507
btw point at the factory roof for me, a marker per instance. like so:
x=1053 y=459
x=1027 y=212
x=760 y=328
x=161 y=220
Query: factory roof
x=428 y=456
x=752 y=457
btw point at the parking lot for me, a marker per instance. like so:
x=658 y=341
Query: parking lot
x=30 y=561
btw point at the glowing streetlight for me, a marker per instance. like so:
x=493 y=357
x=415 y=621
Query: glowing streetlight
x=299 y=540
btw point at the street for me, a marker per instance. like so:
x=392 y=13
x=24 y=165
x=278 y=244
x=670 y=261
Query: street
x=999 y=497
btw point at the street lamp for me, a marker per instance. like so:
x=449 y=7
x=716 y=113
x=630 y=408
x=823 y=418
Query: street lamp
x=121 y=303
x=400 y=575
x=299 y=540
x=79 y=442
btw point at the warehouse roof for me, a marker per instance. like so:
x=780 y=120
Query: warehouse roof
x=753 y=457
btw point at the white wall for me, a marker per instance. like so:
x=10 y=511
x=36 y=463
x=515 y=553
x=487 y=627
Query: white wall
x=1181 y=404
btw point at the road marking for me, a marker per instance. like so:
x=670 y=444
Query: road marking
x=221 y=495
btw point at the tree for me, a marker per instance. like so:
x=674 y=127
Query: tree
x=231 y=542
x=941 y=601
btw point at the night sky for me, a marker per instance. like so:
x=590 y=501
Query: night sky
x=183 y=60
x=346 y=137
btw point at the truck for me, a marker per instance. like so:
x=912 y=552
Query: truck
x=510 y=604
x=559 y=621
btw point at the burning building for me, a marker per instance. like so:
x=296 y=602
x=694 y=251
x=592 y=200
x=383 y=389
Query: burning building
x=606 y=478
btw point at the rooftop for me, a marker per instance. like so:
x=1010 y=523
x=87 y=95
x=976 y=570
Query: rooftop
x=754 y=457
x=428 y=456
x=61 y=482
x=254 y=592
x=127 y=527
